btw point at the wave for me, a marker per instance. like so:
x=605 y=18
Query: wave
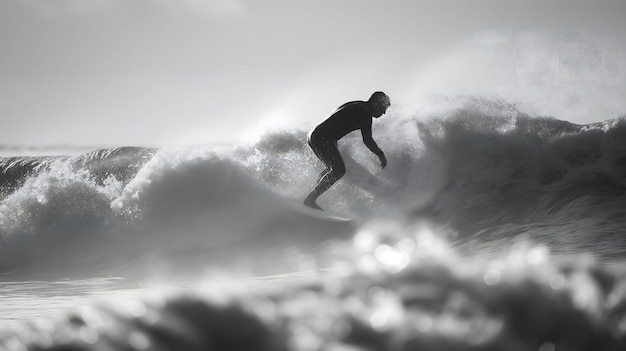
x=483 y=170
x=478 y=169
x=406 y=291
x=112 y=206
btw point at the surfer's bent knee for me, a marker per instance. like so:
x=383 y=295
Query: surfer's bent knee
x=338 y=170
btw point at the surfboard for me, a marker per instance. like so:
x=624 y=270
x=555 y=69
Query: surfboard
x=321 y=214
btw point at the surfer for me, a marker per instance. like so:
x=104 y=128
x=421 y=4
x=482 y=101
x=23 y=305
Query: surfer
x=323 y=139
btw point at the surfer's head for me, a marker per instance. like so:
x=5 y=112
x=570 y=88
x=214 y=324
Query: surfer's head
x=378 y=103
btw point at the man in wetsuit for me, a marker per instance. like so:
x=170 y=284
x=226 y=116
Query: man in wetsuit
x=323 y=139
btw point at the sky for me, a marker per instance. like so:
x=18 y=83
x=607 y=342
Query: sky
x=171 y=72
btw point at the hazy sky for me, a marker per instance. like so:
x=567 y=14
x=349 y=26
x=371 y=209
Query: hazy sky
x=156 y=72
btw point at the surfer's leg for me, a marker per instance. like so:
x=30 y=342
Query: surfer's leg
x=335 y=169
x=317 y=147
x=336 y=165
x=322 y=173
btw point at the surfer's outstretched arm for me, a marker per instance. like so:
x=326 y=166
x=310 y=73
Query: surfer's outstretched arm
x=368 y=140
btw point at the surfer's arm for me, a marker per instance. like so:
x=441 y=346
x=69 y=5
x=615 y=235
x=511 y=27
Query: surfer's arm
x=368 y=140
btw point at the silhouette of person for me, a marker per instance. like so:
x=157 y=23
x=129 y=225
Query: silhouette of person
x=323 y=139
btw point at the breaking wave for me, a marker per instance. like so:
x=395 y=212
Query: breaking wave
x=481 y=171
x=400 y=290
x=477 y=236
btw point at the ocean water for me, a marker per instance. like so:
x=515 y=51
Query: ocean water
x=489 y=230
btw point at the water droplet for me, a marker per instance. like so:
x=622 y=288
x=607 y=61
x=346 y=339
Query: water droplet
x=547 y=346
x=492 y=277
x=88 y=335
x=138 y=341
x=379 y=320
x=557 y=281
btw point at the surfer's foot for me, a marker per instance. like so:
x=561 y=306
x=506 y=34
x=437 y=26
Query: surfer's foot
x=312 y=204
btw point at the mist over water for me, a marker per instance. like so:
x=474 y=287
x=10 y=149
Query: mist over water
x=483 y=212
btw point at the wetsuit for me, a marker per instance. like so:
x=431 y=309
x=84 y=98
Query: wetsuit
x=323 y=141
